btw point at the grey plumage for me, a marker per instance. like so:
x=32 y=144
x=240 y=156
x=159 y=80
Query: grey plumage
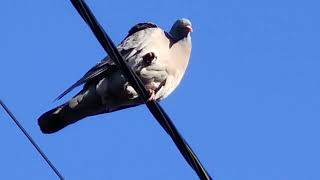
x=159 y=59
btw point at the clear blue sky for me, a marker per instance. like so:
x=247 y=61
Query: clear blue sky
x=249 y=104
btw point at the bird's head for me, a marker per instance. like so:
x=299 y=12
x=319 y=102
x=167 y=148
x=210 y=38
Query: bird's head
x=181 y=29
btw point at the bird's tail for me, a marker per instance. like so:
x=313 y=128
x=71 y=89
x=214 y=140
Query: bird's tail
x=58 y=118
x=86 y=103
x=81 y=106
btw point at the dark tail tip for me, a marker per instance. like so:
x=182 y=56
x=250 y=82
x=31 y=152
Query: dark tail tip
x=50 y=123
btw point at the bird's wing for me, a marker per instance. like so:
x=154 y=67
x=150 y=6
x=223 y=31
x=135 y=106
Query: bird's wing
x=130 y=46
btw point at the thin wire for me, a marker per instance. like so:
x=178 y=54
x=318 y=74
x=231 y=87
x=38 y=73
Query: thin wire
x=31 y=140
x=157 y=111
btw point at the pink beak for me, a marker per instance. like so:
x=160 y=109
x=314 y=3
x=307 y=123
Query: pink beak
x=189 y=28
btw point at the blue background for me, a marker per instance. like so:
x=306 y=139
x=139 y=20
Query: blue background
x=248 y=105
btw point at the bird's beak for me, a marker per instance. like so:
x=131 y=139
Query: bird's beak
x=189 y=28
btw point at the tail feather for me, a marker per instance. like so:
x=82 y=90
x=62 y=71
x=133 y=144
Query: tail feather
x=85 y=103
x=50 y=122
x=58 y=118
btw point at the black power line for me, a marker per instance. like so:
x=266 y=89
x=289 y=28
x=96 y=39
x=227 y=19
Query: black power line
x=157 y=111
x=31 y=140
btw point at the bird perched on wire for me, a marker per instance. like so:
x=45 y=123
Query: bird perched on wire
x=159 y=59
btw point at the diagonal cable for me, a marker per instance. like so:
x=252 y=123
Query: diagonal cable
x=157 y=111
x=31 y=140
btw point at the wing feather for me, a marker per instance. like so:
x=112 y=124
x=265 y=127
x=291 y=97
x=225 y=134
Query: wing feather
x=129 y=48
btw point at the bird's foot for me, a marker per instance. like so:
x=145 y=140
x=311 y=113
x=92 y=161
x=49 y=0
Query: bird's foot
x=152 y=95
x=132 y=94
x=149 y=58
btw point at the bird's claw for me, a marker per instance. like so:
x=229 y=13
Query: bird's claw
x=152 y=95
x=132 y=94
